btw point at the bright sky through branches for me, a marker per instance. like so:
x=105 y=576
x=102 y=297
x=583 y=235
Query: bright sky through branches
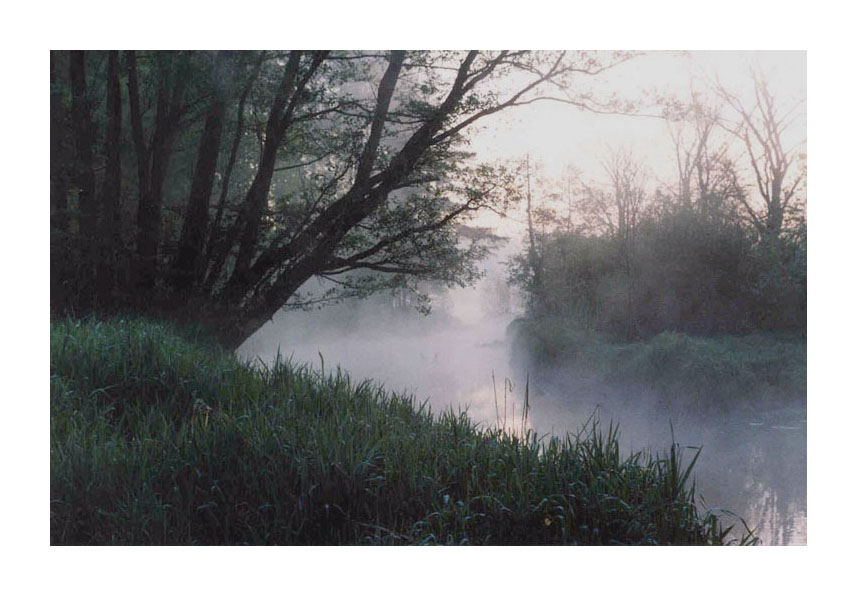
x=556 y=134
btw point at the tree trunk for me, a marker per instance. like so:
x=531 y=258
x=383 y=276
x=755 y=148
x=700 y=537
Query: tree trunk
x=142 y=152
x=255 y=202
x=109 y=234
x=215 y=252
x=60 y=260
x=774 y=219
x=149 y=215
x=254 y=208
x=84 y=175
x=534 y=257
x=188 y=265
x=299 y=258
x=310 y=251
x=59 y=189
x=149 y=212
x=316 y=243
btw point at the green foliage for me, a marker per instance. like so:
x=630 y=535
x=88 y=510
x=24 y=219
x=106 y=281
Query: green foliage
x=701 y=373
x=719 y=371
x=683 y=272
x=156 y=440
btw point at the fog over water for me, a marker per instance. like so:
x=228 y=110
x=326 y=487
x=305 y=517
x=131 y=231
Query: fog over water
x=754 y=465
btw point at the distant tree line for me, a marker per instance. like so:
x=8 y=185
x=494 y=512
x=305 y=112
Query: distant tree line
x=213 y=185
x=721 y=250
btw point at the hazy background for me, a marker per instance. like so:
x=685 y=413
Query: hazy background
x=460 y=356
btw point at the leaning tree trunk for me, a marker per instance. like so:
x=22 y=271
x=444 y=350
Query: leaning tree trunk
x=215 y=252
x=310 y=251
x=253 y=208
x=253 y=211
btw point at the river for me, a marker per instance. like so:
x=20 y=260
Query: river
x=751 y=464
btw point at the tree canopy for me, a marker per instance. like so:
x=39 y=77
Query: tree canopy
x=213 y=185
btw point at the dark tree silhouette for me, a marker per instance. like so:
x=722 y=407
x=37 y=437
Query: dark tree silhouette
x=345 y=165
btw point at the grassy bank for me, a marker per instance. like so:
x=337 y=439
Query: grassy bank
x=157 y=440
x=751 y=370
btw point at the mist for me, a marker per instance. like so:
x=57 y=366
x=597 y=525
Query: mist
x=445 y=358
x=461 y=356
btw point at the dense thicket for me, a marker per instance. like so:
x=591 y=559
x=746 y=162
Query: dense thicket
x=213 y=185
x=682 y=273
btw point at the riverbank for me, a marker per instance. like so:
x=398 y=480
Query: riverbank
x=156 y=439
x=680 y=371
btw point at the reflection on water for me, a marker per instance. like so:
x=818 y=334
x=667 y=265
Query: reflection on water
x=752 y=465
x=759 y=471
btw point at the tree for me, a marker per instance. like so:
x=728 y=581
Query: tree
x=708 y=179
x=188 y=265
x=84 y=175
x=615 y=208
x=61 y=159
x=760 y=127
x=345 y=165
x=109 y=240
x=154 y=154
x=535 y=258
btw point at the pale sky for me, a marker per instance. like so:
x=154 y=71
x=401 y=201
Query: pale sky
x=558 y=134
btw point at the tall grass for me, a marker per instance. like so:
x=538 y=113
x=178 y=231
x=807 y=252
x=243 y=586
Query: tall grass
x=156 y=440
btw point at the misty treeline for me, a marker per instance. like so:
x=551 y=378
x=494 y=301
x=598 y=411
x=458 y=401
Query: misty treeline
x=720 y=248
x=210 y=185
